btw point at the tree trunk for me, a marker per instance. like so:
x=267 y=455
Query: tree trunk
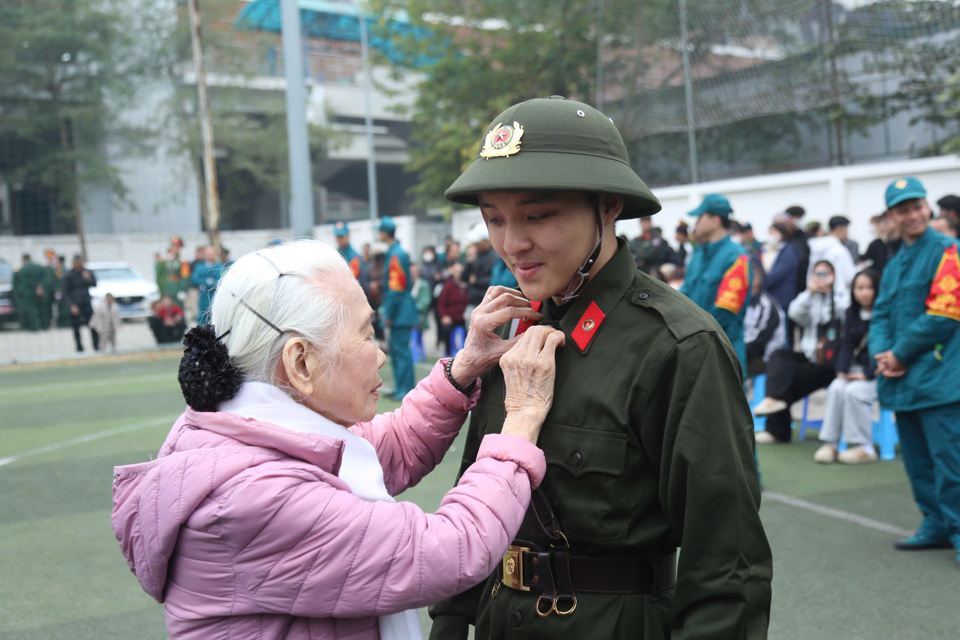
x=73 y=188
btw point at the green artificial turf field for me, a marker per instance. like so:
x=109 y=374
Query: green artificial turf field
x=63 y=427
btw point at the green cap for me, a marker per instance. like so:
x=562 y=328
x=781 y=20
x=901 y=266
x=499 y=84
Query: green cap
x=713 y=203
x=554 y=144
x=341 y=229
x=901 y=189
x=387 y=224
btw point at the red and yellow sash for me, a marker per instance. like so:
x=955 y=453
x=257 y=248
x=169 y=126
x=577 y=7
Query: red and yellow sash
x=942 y=300
x=396 y=276
x=732 y=292
x=355 y=267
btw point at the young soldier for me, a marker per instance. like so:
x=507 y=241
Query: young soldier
x=649 y=444
x=914 y=339
x=342 y=233
x=718 y=278
x=398 y=311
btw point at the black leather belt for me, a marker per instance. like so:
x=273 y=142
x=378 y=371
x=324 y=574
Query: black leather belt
x=590 y=574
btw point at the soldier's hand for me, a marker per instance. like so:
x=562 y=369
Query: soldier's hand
x=74 y=310
x=529 y=371
x=482 y=348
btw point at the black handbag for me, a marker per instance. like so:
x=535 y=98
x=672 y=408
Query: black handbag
x=828 y=336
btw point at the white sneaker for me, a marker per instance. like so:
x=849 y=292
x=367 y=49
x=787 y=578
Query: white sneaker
x=826 y=454
x=769 y=405
x=857 y=455
x=764 y=437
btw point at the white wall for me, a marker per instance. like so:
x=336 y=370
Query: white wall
x=364 y=231
x=855 y=191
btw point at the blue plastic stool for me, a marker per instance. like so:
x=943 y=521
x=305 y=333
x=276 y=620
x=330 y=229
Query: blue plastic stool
x=759 y=391
x=416 y=345
x=884 y=436
x=805 y=422
x=457 y=338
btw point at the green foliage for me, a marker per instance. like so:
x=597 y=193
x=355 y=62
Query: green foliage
x=249 y=126
x=483 y=57
x=67 y=68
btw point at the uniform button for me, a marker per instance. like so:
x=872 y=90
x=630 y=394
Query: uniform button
x=516 y=619
x=576 y=459
x=643 y=296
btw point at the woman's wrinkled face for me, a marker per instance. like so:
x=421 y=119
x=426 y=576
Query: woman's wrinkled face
x=863 y=291
x=348 y=394
x=543 y=237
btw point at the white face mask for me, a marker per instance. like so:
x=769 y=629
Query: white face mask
x=774 y=238
x=429 y=257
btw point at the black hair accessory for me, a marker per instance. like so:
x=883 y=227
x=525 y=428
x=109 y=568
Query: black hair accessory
x=207 y=377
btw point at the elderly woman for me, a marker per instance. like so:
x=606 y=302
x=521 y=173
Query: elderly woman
x=268 y=512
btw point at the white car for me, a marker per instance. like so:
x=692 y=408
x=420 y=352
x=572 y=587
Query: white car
x=133 y=292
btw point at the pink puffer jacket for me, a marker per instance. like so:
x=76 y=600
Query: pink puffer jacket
x=243 y=529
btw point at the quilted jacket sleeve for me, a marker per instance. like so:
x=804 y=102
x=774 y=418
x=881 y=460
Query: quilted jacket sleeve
x=412 y=440
x=305 y=548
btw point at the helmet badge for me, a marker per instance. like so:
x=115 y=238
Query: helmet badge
x=502 y=141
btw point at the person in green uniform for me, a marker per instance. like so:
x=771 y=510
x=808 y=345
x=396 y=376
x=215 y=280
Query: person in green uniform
x=173 y=274
x=29 y=293
x=398 y=309
x=51 y=285
x=649 y=443
x=915 y=340
x=719 y=275
x=342 y=234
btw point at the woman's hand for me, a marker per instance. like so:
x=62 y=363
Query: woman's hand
x=482 y=348
x=529 y=370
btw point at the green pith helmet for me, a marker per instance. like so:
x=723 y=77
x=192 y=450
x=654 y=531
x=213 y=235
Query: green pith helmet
x=554 y=144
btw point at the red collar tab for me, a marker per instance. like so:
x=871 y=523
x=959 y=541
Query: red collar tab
x=523 y=325
x=587 y=326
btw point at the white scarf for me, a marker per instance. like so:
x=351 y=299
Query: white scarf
x=360 y=467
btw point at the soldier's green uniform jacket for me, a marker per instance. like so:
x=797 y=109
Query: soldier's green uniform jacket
x=706 y=277
x=26 y=280
x=398 y=306
x=649 y=447
x=917 y=315
x=173 y=277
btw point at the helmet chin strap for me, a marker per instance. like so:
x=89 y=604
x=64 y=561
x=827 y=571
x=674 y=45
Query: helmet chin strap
x=579 y=280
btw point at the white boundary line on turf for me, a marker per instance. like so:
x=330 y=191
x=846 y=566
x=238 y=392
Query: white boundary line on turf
x=67 y=386
x=839 y=514
x=87 y=438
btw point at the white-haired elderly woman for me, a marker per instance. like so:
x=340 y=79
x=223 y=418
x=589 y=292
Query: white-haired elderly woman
x=268 y=512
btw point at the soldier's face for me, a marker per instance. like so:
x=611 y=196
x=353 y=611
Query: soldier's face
x=911 y=218
x=543 y=237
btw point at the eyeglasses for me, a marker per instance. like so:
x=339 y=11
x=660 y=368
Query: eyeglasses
x=822 y=274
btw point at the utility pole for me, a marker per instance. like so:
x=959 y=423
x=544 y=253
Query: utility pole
x=688 y=92
x=206 y=130
x=599 y=89
x=368 y=121
x=827 y=8
x=298 y=146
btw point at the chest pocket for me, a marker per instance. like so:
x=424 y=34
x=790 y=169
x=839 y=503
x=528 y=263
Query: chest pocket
x=585 y=482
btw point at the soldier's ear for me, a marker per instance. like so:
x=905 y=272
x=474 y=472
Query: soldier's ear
x=611 y=205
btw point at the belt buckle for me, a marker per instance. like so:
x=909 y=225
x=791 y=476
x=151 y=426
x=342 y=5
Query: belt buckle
x=512 y=566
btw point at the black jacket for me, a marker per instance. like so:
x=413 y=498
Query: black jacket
x=76 y=287
x=853 y=346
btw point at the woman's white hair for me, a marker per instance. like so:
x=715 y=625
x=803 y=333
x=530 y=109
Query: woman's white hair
x=296 y=289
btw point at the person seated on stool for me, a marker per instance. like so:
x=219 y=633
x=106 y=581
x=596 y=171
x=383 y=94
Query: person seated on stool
x=851 y=396
x=792 y=376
